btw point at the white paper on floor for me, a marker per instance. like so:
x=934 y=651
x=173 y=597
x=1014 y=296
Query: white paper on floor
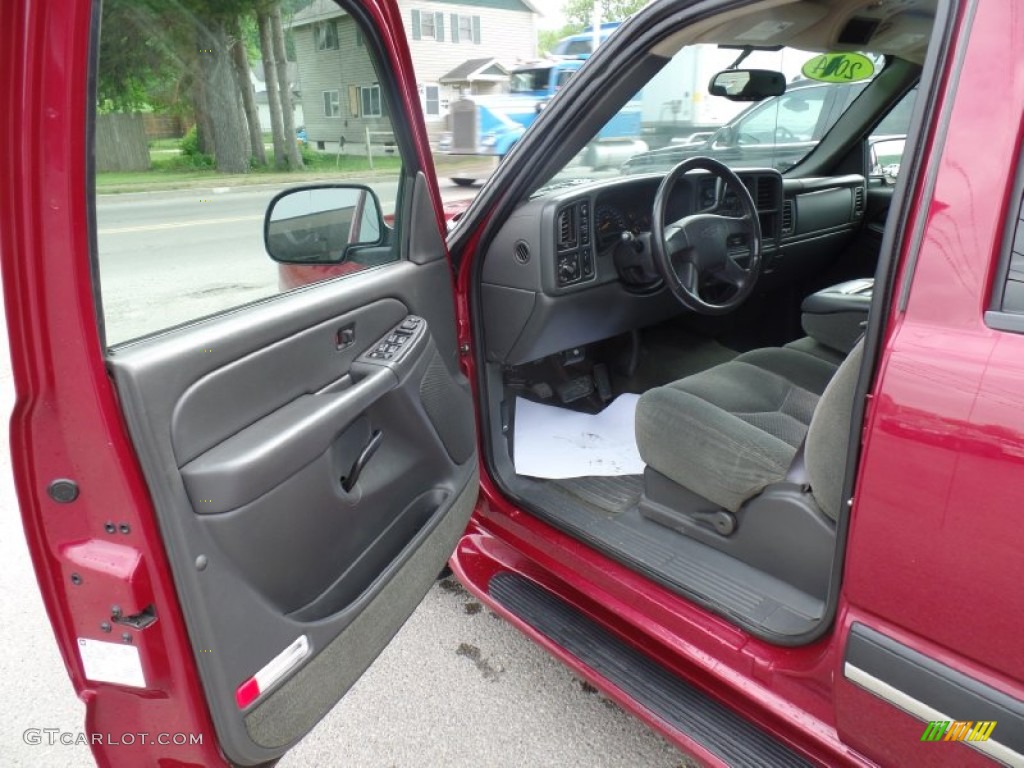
x=556 y=443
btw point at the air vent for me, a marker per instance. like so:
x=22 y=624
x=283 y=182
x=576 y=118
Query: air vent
x=521 y=252
x=765 y=195
x=566 y=229
x=787 y=217
x=858 y=201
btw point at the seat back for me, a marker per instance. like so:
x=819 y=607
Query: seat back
x=828 y=435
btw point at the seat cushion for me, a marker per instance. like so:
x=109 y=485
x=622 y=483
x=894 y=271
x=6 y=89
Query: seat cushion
x=810 y=346
x=728 y=432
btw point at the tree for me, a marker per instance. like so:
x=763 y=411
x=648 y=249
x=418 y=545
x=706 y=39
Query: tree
x=138 y=69
x=580 y=12
x=547 y=39
x=285 y=87
x=231 y=148
x=265 y=25
x=240 y=59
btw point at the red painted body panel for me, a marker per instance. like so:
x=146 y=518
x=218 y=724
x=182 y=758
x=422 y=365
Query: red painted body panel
x=66 y=421
x=934 y=554
x=785 y=691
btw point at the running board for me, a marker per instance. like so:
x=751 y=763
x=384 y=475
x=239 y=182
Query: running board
x=719 y=730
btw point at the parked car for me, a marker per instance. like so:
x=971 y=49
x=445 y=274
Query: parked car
x=742 y=447
x=775 y=133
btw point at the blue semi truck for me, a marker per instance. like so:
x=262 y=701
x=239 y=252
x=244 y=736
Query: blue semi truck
x=672 y=109
x=490 y=125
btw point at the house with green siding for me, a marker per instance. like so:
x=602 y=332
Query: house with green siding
x=459 y=48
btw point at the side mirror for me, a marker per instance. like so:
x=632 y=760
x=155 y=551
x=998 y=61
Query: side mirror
x=886 y=154
x=320 y=224
x=747 y=84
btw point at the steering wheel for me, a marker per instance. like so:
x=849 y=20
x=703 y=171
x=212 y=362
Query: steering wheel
x=693 y=253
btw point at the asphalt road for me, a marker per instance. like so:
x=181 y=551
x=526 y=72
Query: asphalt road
x=168 y=257
x=457 y=687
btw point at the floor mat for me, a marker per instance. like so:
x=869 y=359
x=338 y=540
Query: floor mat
x=556 y=443
x=668 y=356
x=681 y=563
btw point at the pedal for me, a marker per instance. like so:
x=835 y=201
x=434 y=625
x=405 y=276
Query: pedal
x=542 y=390
x=575 y=389
x=603 y=382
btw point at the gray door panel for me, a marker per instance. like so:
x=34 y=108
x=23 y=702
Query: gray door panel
x=248 y=426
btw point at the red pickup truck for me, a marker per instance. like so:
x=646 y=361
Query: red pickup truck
x=742 y=448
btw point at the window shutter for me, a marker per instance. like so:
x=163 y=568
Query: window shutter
x=415 y=24
x=455 y=27
x=353 y=100
x=476 y=30
x=439 y=27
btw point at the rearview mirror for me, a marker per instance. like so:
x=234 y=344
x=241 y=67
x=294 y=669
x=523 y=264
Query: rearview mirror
x=320 y=224
x=747 y=84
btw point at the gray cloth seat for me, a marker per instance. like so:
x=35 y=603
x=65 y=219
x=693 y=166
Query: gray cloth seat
x=728 y=432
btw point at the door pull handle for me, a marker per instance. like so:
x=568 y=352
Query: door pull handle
x=348 y=482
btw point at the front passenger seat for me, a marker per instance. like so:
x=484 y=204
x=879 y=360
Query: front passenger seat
x=761 y=443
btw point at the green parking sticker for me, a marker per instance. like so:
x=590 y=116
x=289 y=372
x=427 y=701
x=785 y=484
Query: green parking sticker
x=839 y=68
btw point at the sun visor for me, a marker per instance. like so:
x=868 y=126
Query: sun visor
x=902 y=33
x=775 y=27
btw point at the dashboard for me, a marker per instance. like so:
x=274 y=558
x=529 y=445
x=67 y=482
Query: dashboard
x=551 y=280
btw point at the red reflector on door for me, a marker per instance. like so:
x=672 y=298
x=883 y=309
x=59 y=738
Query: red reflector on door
x=276 y=669
x=247 y=693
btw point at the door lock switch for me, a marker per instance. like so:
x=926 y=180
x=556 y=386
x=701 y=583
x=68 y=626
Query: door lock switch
x=394 y=343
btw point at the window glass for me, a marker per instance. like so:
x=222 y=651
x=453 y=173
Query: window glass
x=466 y=28
x=791 y=117
x=888 y=140
x=326 y=36
x=427 y=29
x=198 y=126
x=673 y=116
x=432 y=104
x=578 y=47
x=1008 y=290
x=371 y=101
x=526 y=80
x=332 y=104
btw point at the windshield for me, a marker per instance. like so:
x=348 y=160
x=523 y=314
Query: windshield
x=673 y=117
x=527 y=80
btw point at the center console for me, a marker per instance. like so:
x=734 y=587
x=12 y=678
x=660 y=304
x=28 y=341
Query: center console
x=837 y=315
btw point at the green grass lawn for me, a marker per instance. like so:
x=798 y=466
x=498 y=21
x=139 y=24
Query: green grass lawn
x=170 y=171
x=164 y=144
